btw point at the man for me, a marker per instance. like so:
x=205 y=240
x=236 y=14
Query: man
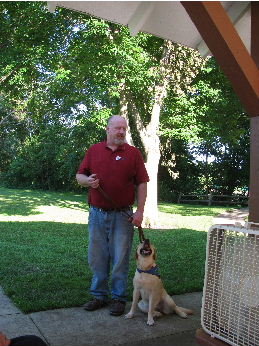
x=117 y=168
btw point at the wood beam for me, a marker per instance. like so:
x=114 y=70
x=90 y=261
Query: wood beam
x=254 y=124
x=52 y=6
x=254 y=171
x=220 y=35
x=140 y=16
x=255 y=31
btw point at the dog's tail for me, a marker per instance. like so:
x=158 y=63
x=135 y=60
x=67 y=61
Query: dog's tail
x=182 y=312
x=188 y=311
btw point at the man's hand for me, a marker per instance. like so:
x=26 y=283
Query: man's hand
x=88 y=181
x=137 y=218
x=4 y=341
x=93 y=181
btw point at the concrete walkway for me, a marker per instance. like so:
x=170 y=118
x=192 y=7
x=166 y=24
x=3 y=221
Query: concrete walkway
x=77 y=327
x=236 y=216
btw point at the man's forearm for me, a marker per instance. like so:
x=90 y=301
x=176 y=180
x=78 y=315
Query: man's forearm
x=88 y=181
x=142 y=196
x=82 y=179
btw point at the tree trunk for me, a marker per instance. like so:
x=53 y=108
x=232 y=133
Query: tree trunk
x=149 y=136
x=151 y=219
x=124 y=110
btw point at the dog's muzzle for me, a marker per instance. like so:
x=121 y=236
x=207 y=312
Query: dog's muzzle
x=146 y=249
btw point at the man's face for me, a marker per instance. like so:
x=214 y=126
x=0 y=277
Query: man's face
x=116 y=132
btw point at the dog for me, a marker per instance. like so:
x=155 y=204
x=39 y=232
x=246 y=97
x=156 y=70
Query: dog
x=147 y=283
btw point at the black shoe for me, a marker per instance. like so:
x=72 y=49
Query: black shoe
x=117 y=307
x=94 y=304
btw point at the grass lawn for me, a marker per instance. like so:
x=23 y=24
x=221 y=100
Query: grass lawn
x=44 y=239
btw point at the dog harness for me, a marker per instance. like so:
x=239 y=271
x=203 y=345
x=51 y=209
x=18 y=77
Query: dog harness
x=152 y=271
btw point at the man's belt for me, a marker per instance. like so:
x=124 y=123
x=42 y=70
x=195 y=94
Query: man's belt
x=106 y=210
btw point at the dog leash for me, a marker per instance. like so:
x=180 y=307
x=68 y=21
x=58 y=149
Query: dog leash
x=140 y=230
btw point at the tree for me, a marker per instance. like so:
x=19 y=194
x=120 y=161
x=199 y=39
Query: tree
x=222 y=132
x=12 y=134
x=39 y=97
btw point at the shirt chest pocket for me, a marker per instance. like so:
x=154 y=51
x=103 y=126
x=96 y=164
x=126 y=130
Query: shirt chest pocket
x=123 y=167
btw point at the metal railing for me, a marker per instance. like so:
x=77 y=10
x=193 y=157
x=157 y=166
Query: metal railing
x=213 y=199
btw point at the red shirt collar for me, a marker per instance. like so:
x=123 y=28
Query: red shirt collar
x=119 y=148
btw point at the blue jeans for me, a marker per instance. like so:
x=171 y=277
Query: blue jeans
x=110 y=242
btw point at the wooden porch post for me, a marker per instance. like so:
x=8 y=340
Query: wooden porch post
x=254 y=124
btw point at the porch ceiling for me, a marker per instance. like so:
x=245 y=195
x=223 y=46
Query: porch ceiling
x=165 y=19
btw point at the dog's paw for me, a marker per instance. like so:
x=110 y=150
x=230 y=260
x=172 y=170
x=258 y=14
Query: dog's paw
x=157 y=314
x=150 y=322
x=129 y=315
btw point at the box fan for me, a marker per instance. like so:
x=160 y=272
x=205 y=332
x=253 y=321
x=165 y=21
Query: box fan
x=230 y=307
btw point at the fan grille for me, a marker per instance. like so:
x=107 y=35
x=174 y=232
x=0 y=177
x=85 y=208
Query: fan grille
x=230 y=309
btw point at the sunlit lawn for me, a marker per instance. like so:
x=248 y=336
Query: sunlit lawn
x=43 y=245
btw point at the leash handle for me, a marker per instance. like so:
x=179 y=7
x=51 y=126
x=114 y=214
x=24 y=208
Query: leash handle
x=140 y=230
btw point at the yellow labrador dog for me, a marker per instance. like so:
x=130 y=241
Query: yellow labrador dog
x=147 y=283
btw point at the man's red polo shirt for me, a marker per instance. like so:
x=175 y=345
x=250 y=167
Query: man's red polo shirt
x=119 y=172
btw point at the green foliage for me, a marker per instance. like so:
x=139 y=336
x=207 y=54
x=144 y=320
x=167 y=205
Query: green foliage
x=12 y=134
x=225 y=131
x=50 y=159
x=177 y=172
x=217 y=105
x=210 y=122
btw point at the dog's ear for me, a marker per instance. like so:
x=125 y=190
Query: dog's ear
x=136 y=255
x=154 y=255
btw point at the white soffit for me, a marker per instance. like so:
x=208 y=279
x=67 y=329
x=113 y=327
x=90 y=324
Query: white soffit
x=165 y=19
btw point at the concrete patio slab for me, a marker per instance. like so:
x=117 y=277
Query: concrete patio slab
x=180 y=339
x=6 y=305
x=18 y=324
x=77 y=327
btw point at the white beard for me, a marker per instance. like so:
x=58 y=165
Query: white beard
x=119 y=141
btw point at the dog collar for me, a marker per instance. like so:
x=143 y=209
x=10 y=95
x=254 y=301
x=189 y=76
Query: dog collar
x=152 y=271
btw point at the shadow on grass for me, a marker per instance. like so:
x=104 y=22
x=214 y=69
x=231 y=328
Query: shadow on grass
x=25 y=202
x=44 y=264
x=190 y=209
